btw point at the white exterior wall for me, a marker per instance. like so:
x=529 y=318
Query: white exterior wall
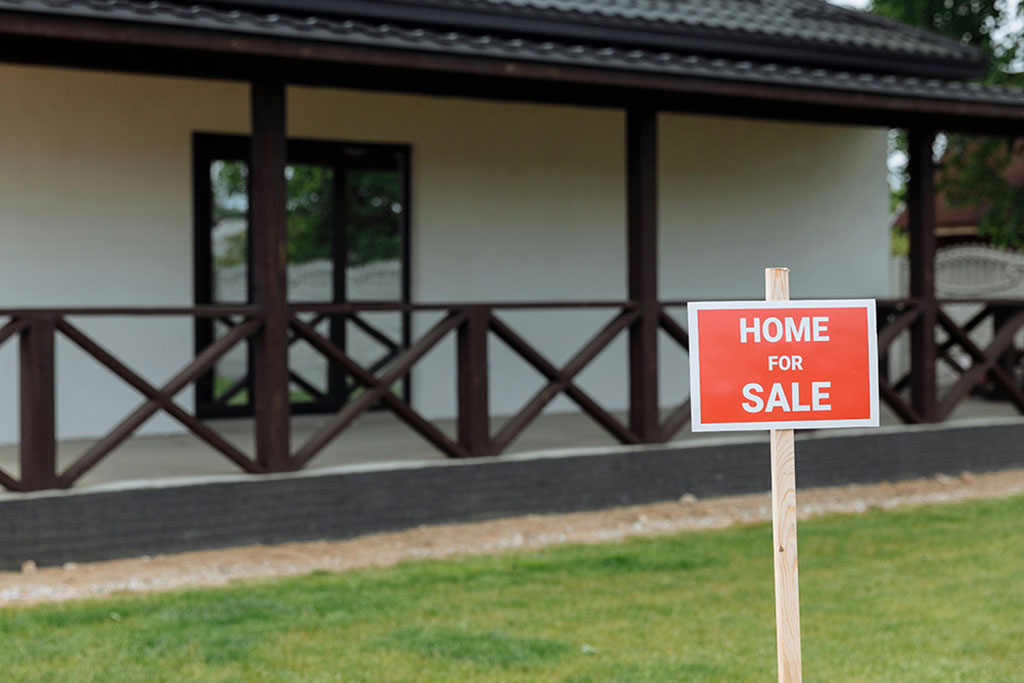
x=737 y=196
x=509 y=202
x=95 y=210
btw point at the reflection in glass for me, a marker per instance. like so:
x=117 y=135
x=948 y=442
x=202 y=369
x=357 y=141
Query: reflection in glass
x=346 y=225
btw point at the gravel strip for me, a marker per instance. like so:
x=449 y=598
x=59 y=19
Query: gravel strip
x=218 y=567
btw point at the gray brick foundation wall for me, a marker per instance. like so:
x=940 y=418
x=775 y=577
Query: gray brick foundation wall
x=88 y=525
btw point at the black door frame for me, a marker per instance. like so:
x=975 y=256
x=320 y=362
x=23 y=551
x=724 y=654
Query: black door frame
x=209 y=147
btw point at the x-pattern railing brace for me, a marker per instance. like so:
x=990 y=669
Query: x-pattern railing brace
x=379 y=364
x=891 y=393
x=986 y=361
x=159 y=399
x=9 y=482
x=165 y=401
x=561 y=380
x=892 y=397
x=679 y=416
x=12 y=328
x=903 y=321
x=941 y=351
x=377 y=388
x=244 y=382
x=373 y=332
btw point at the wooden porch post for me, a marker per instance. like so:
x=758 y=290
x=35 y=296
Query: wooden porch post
x=270 y=276
x=474 y=414
x=38 y=450
x=642 y=264
x=921 y=206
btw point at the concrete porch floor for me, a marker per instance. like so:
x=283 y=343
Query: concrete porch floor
x=377 y=439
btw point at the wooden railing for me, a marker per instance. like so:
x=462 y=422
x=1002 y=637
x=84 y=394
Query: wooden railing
x=989 y=361
x=981 y=354
x=37 y=329
x=471 y=324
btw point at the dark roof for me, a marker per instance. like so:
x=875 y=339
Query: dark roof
x=808 y=32
x=335 y=28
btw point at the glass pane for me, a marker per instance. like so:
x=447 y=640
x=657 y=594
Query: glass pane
x=309 y=369
x=231 y=372
x=374 y=215
x=310 y=232
x=310 y=202
x=229 y=231
x=229 y=235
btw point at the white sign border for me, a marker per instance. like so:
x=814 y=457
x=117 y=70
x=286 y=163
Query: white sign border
x=697 y=425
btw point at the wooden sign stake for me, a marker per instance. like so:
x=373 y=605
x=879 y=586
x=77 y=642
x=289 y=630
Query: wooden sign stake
x=787 y=591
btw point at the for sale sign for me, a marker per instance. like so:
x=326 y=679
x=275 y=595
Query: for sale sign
x=783 y=365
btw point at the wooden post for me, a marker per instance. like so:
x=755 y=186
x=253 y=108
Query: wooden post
x=787 y=591
x=38 y=450
x=474 y=413
x=921 y=205
x=642 y=263
x=1008 y=360
x=271 y=403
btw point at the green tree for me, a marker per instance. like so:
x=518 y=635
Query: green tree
x=972 y=166
x=373 y=212
x=374 y=209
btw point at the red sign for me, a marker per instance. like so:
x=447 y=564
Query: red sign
x=783 y=365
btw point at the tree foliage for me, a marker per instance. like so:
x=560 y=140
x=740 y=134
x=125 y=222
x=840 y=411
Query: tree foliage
x=372 y=212
x=972 y=167
x=374 y=207
x=970 y=22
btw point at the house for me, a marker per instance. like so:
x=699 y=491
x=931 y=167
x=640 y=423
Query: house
x=546 y=182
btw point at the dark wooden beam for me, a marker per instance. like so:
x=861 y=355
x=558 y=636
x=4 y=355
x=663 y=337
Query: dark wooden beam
x=269 y=265
x=1001 y=315
x=642 y=269
x=474 y=422
x=891 y=396
x=921 y=206
x=38 y=408
x=888 y=334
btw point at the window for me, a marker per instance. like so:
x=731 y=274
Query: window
x=348 y=241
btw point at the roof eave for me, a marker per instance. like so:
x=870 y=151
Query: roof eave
x=148 y=48
x=710 y=42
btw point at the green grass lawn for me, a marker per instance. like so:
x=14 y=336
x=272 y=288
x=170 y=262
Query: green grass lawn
x=931 y=594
